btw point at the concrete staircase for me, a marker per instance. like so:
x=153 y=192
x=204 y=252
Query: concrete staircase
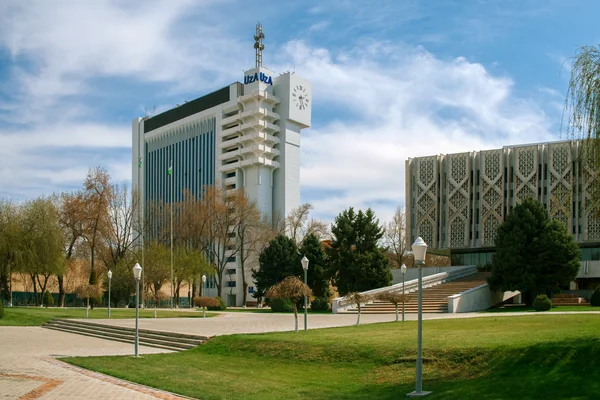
x=435 y=298
x=568 y=299
x=161 y=340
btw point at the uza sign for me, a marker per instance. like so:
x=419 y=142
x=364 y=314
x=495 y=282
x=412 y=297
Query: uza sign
x=262 y=77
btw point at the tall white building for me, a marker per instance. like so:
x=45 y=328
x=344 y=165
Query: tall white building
x=245 y=135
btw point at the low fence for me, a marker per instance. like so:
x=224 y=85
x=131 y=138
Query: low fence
x=71 y=300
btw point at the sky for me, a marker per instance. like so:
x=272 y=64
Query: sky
x=391 y=80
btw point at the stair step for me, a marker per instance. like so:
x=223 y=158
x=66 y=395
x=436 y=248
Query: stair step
x=147 y=335
x=129 y=337
x=99 y=336
x=162 y=340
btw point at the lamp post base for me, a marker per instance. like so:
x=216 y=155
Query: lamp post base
x=417 y=394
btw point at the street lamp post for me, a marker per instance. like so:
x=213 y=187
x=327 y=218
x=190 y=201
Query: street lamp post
x=403 y=270
x=109 y=281
x=203 y=294
x=305 y=268
x=137 y=273
x=419 y=249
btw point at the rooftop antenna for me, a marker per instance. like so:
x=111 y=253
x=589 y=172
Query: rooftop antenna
x=258 y=44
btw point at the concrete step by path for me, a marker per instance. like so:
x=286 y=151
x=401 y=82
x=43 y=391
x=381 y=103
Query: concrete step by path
x=156 y=339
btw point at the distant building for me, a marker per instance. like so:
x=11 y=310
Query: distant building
x=457 y=201
x=245 y=135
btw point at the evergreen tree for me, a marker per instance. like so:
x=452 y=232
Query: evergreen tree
x=278 y=260
x=534 y=254
x=317 y=274
x=355 y=260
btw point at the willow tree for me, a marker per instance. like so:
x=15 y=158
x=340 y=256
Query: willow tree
x=582 y=105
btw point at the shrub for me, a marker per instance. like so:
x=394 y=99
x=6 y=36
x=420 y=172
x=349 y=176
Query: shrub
x=1 y=310
x=320 y=304
x=220 y=307
x=542 y=303
x=210 y=302
x=595 y=300
x=47 y=299
x=281 y=305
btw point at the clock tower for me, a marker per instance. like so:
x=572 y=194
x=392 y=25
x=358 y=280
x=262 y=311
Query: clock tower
x=280 y=107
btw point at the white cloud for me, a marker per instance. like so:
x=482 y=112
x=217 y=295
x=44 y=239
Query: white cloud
x=403 y=102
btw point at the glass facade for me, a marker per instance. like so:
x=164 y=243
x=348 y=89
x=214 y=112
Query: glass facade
x=191 y=153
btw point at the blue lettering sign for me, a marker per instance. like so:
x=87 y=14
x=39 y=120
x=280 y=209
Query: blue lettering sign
x=262 y=77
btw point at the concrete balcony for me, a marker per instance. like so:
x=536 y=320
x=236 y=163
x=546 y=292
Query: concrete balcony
x=259 y=94
x=260 y=150
x=230 y=142
x=230 y=181
x=260 y=112
x=230 y=167
x=260 y=137
x=262 y=161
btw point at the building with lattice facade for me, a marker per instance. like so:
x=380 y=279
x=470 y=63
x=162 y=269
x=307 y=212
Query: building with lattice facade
x=457 y=201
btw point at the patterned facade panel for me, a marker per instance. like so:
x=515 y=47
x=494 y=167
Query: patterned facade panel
x=590 y=209
x=458 y=188
x=425 y=196
x=491 y=199
x=525 y=173
x=560 y=183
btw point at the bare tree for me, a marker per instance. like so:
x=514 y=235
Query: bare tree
x=357 y=298
x=220 y=230
x=392 y=297
x=253 y=234
x=71 y=218
x=119 y=233
x=394 y=238
x=298 y=225
x=97 y=194
x=88 y=291
x=293 y=289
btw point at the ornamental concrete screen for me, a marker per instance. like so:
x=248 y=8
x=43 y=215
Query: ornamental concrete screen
x=457 y=201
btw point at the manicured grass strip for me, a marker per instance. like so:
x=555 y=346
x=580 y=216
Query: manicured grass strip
x=522 y=357
x=36 y=316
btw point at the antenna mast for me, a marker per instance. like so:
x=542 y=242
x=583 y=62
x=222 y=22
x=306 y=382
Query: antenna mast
x=258 y=44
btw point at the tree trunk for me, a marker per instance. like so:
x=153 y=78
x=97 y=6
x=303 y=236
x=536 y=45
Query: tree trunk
x=358 y=317
x=220 y=284
x=245 y=286
x=4 y=291
x=35 y=296
x=296 y=317
x=61 y=291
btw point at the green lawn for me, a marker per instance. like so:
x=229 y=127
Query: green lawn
x=530 y=309
x=36 y=316
x=522 y=357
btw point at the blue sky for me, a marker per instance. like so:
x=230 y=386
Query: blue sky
x=391 y=80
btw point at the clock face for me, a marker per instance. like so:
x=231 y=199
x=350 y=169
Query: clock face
x=300 y=97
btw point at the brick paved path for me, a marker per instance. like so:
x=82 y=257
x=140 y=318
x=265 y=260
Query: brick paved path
x=28 y=369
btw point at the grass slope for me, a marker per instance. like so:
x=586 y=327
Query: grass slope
x=35 y=316
x=530 y=357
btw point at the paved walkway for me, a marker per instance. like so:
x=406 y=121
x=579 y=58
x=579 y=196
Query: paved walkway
x=29 y=370
x=246 y=322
